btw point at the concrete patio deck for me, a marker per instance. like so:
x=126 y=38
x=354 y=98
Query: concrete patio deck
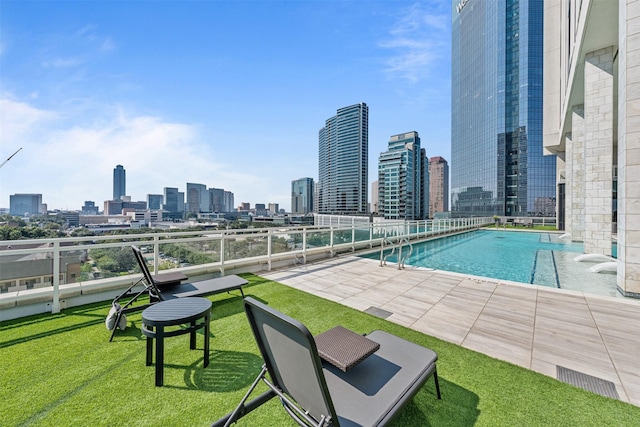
x=587 y=340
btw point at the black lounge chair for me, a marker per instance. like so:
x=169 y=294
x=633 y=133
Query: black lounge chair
x=170 y=286
x=316 y=393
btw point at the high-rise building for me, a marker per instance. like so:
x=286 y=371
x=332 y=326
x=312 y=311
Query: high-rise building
x=119 y=182
x=497 y=163
x=229 y=204
x=154 y=201
x=172 y=199
x=26 y=204
x=592 y=122
x=216 y=200
x=438 y=185
x=197 y=198
x=403 y=179
x=343 y=162
x=302 y=196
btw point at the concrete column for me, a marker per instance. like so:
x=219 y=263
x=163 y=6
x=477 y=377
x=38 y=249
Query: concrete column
x=629 y=148
x=577 y=174
x=563 y=169
x=598 y=174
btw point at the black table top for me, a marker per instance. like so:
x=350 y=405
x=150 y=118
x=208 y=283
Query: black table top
x=176 y=311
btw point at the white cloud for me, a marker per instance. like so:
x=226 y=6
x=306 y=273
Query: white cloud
x=19 y=119
x=418 y=42
x=72 y=163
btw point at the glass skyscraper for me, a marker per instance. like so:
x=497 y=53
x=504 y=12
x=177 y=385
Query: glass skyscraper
x=403 y=179
x=343 y=162
x=302 y=196
x=497 y=164
x=119 y=182
x=197 y=198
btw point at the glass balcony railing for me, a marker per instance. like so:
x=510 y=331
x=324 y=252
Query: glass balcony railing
x=54 y=271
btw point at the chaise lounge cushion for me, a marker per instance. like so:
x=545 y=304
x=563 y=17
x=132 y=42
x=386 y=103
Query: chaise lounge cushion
x=363 y=399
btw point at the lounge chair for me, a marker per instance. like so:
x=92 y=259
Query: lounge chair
x=316 y=393
x=166 y=287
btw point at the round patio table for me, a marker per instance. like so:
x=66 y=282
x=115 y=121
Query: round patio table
x=171 y=313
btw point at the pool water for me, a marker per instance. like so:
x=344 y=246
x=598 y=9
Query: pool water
x=535 y=258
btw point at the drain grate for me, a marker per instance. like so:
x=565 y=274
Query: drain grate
x=378 y=312
x=587 y=382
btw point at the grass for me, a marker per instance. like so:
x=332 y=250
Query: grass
x=61 y=370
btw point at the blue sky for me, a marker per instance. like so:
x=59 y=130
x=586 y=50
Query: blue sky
x=226 y=94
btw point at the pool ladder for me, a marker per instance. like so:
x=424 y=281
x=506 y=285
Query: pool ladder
x=399 y=246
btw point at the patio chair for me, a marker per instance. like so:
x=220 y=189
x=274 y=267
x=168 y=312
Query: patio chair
x=316 y=393
x=160 y=288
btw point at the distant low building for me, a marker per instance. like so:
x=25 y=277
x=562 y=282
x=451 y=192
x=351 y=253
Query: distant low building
x=26 y=204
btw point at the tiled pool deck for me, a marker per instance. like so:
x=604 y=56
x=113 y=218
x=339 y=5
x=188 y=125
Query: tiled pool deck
x=542 y=329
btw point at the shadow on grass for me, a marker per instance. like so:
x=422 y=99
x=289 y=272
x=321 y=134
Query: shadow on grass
x=91 y=311
x=227 y=371
x=457 y=408
x=229 y=307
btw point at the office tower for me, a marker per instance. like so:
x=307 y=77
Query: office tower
x=120 y=207
x=592 y=122
x=403 y=179
x=170 y=202
x=181 y=203
x=89 y=208
x=274 y=208
x=113 y=207
x=197 y=198
x=216 y=200
x=302 y=196
x=244 y=206
x=26 y=204
x=438 y=185
x=154 y=201
x=229 y=204
x=497 y=162
x=119 y=183
x=342 y=162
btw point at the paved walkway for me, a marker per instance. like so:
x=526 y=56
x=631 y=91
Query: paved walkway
x=542 y=329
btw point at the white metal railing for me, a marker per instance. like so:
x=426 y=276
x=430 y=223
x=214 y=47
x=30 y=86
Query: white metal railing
x=227 y=249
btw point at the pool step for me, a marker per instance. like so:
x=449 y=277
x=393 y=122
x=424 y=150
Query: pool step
x=544 y=271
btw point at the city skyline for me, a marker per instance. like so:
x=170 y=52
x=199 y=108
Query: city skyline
x=89 y=86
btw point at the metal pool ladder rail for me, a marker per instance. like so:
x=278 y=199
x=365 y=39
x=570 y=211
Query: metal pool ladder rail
x=399 y=246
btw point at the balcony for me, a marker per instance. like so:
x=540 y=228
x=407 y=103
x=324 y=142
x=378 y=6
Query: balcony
x=49 y=275
x=61 y=368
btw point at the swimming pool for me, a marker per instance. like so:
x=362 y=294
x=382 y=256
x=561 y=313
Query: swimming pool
x=535 y=258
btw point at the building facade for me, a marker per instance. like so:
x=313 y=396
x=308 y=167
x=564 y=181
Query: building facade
x=26 y=204
x=89 y=208
x=497 y=161
x=229 y=204
x=171 y=199
x=592 y=123
x=438 y=185
x=119 y=182
x=403 y=179
x=216 y=200
x=197 y=198
x=302 y=196
x=343 y=151
x=154 y=201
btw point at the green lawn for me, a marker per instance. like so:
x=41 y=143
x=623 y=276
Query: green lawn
x=62 y=370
